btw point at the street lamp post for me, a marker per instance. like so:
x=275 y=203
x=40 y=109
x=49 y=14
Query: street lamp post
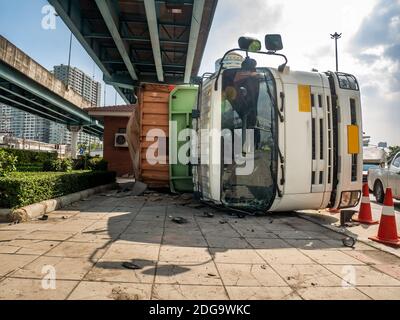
x=69 y=59
x=336 y=36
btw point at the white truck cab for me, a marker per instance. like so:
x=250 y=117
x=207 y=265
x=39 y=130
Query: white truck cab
x=306 y=145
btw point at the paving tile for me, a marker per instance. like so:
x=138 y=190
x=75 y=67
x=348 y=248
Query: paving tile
x=93 y=236
x=34 y=247
x=47 y=235
x=184 y=254
x=363 y=276
x=77 y=250
x=186 y=240
x=187 y=273
x=392 y=270
x=331 y=257
x=70 y=226
x=5 y=248
x=338 y=245
x=331 y=293
x=246 y=256
x=276 y=226
x=32 y=289
x=113 y=271
x=188 y=292
x=140 y=230
x=65 y=268
x=374 y=257
x=268 y=243
x=303 y=276
x=6 y=235
x=12 y=262
x=118 y=251
x=249 y=275
x=381 y=293
x=310 y=244
x=293 y=234
x=140 y=238
x=284 y=256
x=262 y=293
x=88 y=290
x=231 y=243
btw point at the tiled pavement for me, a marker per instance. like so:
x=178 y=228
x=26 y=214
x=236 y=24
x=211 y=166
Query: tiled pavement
x=223 y=257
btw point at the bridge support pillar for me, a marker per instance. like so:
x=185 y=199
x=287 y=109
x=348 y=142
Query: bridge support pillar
x=74 y=140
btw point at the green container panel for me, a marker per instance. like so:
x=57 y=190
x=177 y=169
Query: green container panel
x=182 y=101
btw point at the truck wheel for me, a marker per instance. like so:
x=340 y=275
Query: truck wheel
x=379 y=193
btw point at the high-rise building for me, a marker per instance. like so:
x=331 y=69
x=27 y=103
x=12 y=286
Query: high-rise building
x=27 y=126
x=80 y=82
x=23 y=124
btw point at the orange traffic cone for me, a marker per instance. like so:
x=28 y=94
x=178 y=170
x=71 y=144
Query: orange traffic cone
x=387 y=232
x=365 y=213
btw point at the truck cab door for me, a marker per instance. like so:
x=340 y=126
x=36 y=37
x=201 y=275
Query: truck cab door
x=394 y=176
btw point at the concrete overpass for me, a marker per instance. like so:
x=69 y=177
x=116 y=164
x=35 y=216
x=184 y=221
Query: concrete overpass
x=135 y=41
x=26 y=85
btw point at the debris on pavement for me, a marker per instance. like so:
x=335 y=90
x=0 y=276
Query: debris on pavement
x=119 y=294
x=223 y=221
x=131 y=265
x=208 y=214
x=349 y=242
x=179 y=220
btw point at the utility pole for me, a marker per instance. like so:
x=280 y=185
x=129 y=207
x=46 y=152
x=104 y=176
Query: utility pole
x=336 y=36
x=69 y=59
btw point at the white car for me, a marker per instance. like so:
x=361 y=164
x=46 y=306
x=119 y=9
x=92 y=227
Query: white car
x=388 y=177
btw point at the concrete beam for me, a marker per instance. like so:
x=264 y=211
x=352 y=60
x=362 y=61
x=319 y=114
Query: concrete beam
x=197 y=15
x=72 y=18
x=151 y=15
x=112 y=21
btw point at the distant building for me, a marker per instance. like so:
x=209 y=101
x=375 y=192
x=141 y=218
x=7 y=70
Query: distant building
x=382 y=145
x=24 y=125
x=232 y=60
x=80 y=82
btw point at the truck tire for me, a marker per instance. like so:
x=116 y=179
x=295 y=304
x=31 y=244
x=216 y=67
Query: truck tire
x=379 y=193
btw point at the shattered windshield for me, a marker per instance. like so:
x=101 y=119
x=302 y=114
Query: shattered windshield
x=248 y=105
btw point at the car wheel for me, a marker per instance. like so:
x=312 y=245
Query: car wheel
x=379 y=193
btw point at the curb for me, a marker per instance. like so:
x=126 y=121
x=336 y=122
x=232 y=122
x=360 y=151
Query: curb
x=345 y=232
x=38 y=209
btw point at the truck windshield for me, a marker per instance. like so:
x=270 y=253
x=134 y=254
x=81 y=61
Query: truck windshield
x=248 y=103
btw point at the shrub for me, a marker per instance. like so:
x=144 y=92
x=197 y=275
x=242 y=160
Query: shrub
x=58 y=165
x=80 y=163
x=23 y=188
x=29 y=168
x=8 y=163
x=97 y=164
x=87 y=162
x=29 y=157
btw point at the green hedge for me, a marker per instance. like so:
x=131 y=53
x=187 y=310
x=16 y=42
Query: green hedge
x=23 y=188
x=29 y=157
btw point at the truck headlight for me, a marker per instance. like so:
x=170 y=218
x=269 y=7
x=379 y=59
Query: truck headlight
x=349 y=199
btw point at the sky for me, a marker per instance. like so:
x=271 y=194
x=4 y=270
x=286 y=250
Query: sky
x=369 y=47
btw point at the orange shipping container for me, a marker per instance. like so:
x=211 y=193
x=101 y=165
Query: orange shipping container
x=152 y=113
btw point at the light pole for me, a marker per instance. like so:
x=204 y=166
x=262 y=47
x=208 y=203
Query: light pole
x=69 y=59
x=336 y=36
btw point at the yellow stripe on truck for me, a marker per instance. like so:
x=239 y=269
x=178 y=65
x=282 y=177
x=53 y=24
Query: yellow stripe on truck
x=304 y=98
x=353 y=142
